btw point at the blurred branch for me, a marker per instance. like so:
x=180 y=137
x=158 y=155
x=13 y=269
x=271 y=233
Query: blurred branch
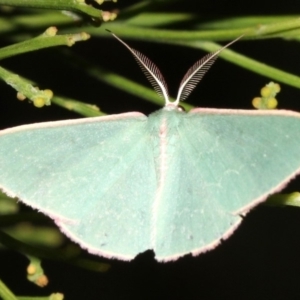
x=292 y=199
x=26 y=89
x=84 y=109
x=45 y=40
x=248 y=63
x=34 y=22
x=159 y=19
x=71 y=5
x=6 y=293
x=246 y=21
x=168 y=35
x=70 y=257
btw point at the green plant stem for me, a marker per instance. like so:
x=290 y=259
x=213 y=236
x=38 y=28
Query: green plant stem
x=242 y=24
x=84 y=109
x=248 y=63
x=51 y=297
x=262 y=28
x=293 y=34
x=13 y=243
x=166 y=35
x=163 y=35
x=277 y=27
x=70 y=5
x=25 y=87
x=6 y=293
x=34 y=22
x=292 y=199
x=17 y=245
x=159 y=19
x=42 y=41
x=45 y=236
x=247 y=21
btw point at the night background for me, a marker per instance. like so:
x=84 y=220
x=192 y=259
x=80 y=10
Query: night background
x=261 y=260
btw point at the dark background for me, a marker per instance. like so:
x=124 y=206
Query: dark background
x=261 y=260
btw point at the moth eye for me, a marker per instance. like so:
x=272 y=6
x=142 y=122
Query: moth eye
x=180 y=108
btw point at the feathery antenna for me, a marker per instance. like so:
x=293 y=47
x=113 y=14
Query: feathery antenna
x=149 y=69
x=189 y=81
x=196 y=72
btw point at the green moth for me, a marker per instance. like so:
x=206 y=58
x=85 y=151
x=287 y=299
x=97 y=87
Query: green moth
x=173 y=182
